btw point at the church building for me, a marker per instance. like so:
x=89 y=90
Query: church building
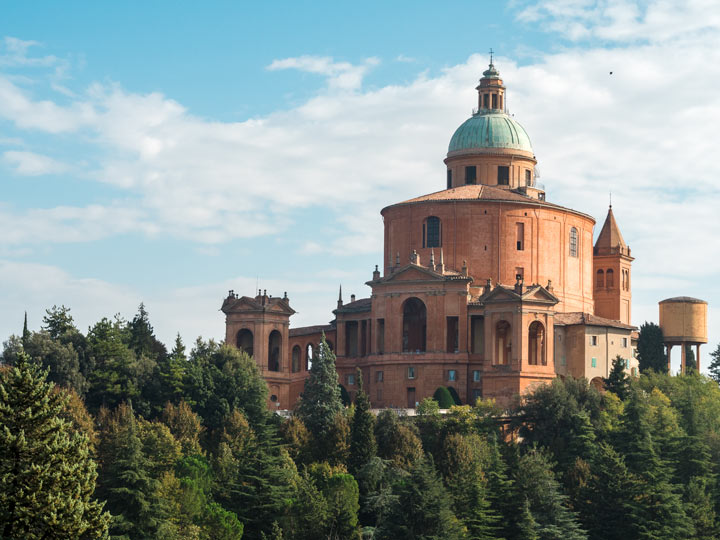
x=486 y=287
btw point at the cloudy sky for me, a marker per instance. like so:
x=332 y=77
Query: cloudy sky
x=169 y=152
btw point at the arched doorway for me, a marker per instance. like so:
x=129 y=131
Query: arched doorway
x=274 y=342
x=414 y=325
x=536 y=344
x=245 y=341
x=503 y=342
x=309 y=355
x=296 y=352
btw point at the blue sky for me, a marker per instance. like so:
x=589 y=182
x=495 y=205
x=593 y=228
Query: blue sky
x=167 y=152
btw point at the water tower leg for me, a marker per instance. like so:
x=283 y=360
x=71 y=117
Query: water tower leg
x=697 y=356
x=669 y=351
x=682 y=357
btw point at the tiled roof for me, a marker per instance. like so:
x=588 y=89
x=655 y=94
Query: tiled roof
x=578 y=317
x=307 y=330
x=683 y=299
x=364 y=304
x=479 y=192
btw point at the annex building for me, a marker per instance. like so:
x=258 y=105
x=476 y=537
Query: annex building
x=485 y=287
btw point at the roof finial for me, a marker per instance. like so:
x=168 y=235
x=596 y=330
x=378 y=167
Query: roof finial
x=611 y=200
x=491 y=56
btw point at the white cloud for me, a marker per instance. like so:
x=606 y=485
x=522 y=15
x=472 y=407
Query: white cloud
x=32 y=164
x=340 y=75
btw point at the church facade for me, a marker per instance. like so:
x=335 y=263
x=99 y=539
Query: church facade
x=486 y=287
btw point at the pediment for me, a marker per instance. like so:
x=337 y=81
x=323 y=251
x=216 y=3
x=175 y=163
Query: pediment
x=413 y=272
x=539 y=294
x=501 y=294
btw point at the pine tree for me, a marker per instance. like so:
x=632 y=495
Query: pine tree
x=47 y=475
x=362 y=436
x=320 y=401
x=650 y=348
x=617 y=381
x=125 y=481
x=714 y=367
x=535 y=480
x=421 y=510
x=467 y=485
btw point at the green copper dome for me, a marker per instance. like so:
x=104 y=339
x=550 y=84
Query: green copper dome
x=490 y=129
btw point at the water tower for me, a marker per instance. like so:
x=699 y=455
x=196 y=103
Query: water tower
x=683 y=321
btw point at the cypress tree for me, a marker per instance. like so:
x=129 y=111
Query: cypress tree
x=362 y=435
x=650 y=348
x=47 y=475
x=443 y=397
x=26 y=332
x=320 y=401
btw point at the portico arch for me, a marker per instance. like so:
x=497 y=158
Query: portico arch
x=274 y=344
x=296 y=352
x=245 y=341
x=536 y=344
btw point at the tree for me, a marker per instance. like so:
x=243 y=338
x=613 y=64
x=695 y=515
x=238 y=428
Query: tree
x=396 y=441
x=443 y=397
x=535 y=480
x=320 y=401
x=47 y=475
x=125 y=481
x=26 y=332
x=362 y=436
x=714 y=367
x=650 y=348
x=462 y=458
x=690 y=363
x=617 y=381
x=421 y=509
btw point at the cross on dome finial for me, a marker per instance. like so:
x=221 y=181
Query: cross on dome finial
x=491 y=56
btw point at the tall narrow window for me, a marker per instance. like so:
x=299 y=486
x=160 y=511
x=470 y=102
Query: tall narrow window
x=520 y=236
x=503 y=343
x=609 y=278
x=477 y=334
x=471 y=174
x=573 y=242
x=485 y=101
x=536 y=344
x=380 y=336
x=452 y=334
x=494 y=101
x=449 y=178
x=503 y=175
x=600 y=281
x=414 y=325
x=528 y=177
x=432 y=232
x=274 y=342
x=351 y=338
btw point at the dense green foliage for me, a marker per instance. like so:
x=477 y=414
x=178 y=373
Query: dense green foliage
x=650 y=349
x=186 y=448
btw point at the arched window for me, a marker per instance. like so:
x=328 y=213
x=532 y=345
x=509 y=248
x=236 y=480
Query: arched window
x=600 y=282
x=536 y=344
x=432 y=234
x=503 y=342
x=414 y=325
x=609 y=278
x=245 y=341
x=296 y=352
x=309 y=355
x=573 y=242
x=274 y=342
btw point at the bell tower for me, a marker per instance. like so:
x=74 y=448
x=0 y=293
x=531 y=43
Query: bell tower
x=611 y=265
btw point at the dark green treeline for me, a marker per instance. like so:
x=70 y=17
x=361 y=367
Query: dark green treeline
x=179 y=444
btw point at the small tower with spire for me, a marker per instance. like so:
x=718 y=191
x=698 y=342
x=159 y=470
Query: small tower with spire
x=491 y=90
x=612 y=263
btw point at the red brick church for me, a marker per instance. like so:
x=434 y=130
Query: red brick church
x=485 y=287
